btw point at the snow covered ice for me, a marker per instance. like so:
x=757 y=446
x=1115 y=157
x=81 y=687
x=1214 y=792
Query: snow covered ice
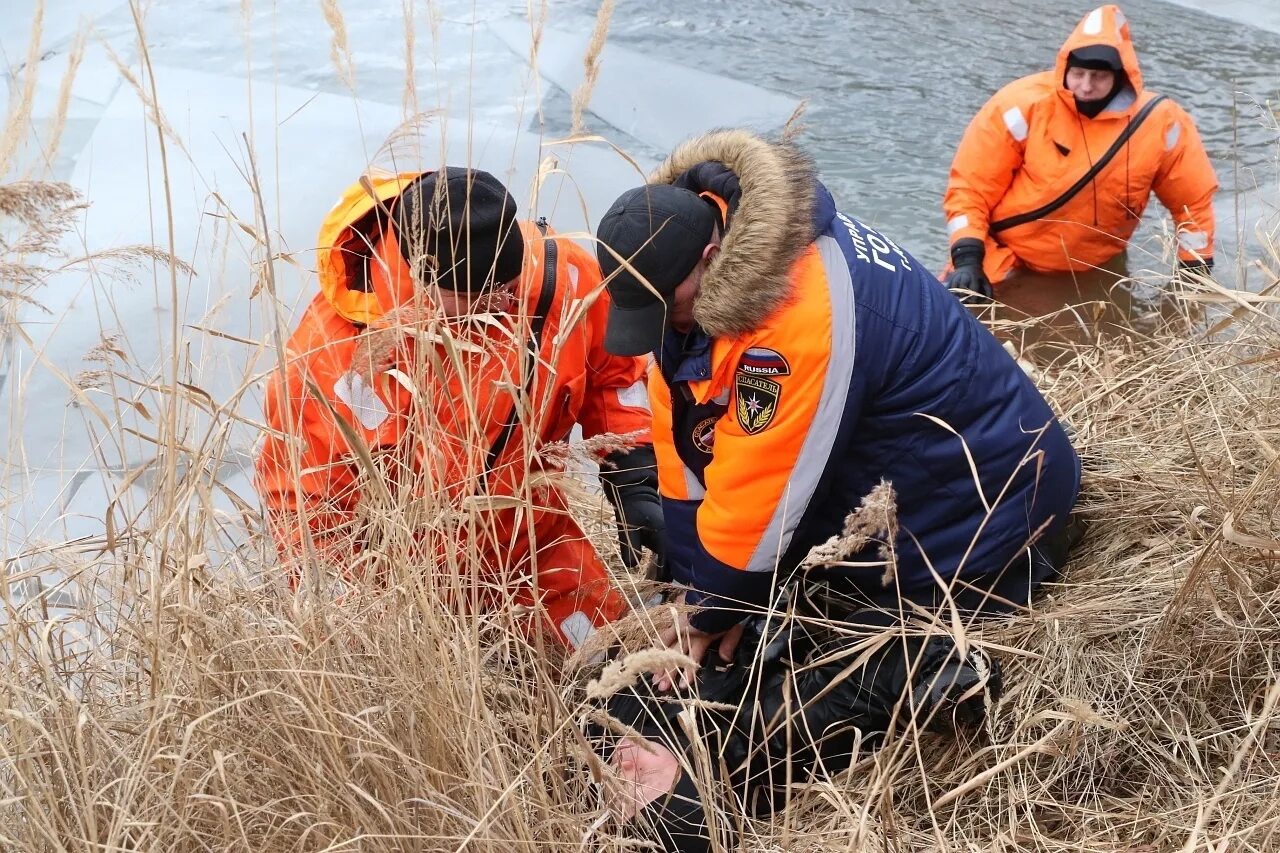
x=238 y=95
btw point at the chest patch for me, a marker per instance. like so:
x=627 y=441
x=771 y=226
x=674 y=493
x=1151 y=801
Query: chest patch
x=704 y=434
x=758 y=400
x=761 y=361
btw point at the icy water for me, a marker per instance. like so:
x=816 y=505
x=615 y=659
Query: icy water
x=889 y=88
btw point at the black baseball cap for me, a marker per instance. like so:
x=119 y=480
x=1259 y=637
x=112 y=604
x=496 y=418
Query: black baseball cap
x=660 y=230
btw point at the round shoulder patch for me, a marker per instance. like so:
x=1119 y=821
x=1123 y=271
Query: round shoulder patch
x=704 y=434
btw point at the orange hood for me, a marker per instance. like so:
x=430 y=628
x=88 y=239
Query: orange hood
x=1105 y=25
x=359 y=284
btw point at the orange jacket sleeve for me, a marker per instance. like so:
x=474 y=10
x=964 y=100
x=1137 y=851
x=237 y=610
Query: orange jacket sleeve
x=305 y=477
x=615 y=399
x=1185 y=183
x=990 y=154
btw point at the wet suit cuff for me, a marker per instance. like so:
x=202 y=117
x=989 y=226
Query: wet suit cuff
x=716 y=616
x=968 y=252
x=678 y=821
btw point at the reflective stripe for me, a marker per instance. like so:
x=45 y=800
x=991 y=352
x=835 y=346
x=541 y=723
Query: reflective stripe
x=1093 y=23
x=693 y=490
x=577 y=628
x=363 y=402
x=1172 y=135
x=1193 y=241
x=955 y=223
x=635 y=395
x=1121 y=20
x=1017 y=123
x=815 y=452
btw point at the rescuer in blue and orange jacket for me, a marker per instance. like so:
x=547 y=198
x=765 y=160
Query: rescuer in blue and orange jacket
x=434 y=298
x=801 y=358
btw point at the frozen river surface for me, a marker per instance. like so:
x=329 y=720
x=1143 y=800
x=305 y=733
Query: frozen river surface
x=889 y=90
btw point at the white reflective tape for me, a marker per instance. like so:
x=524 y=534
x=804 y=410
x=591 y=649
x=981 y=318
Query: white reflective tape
x=577 y=628
x=361 y=400
x=1017 y=123
x=1172 y=135
x=693 y=490
x=1093 y=23
x=815 y=451
x=1193 y=241
x=1121 y=20
x=635 y=395
x=955 y=223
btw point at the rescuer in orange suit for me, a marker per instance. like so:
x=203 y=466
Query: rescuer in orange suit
x=1054 y=172
x=438 y=312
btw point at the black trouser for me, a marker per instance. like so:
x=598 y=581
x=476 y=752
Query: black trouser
x=793 y=702
x=995 y=593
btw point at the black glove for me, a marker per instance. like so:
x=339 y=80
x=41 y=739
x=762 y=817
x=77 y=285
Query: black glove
x=715 y=177
x=966 y=257
x=1196 y=269
x=630 y=480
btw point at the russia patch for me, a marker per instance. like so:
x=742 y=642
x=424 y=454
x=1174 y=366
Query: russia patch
x=761 y=361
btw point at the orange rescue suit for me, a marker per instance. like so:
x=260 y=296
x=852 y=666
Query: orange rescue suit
x=429 y=398
x=1029 y=144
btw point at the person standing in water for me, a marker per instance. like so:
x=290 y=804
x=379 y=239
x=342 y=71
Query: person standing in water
x=1054 y=172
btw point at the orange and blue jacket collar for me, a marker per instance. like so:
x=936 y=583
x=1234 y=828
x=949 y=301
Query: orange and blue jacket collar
x=685 y=357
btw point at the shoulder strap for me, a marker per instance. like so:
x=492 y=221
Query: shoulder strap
x=536 y=323
x=1094 y=170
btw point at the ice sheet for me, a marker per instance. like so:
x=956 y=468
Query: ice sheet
x=658 y=102
x=1264 y=15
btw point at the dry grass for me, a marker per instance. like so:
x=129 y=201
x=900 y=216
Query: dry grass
x=214 y=711
x=185 y=707
x=591 y=64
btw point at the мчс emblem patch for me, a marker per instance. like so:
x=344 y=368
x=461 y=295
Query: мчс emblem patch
x=704 y=434
x=762 y=361
x=757 y=402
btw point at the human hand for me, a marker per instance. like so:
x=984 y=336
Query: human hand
x=645 y=770
x=968 y=275
x=683 y=637
x=630 y=482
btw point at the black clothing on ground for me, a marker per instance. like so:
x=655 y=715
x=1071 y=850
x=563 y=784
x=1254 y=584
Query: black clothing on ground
x=810 y=690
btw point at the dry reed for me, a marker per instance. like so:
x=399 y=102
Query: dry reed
x=1140 y=715
x=591 y=65
x=185 y=708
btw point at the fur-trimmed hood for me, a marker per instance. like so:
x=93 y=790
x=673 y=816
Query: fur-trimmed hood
x=770 y=225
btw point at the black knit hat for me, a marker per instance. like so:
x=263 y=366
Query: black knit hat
x=1099 y=57
x=463 y=224
x=661 y=231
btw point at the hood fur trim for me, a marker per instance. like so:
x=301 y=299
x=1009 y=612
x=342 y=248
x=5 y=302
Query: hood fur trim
x=750 y=277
